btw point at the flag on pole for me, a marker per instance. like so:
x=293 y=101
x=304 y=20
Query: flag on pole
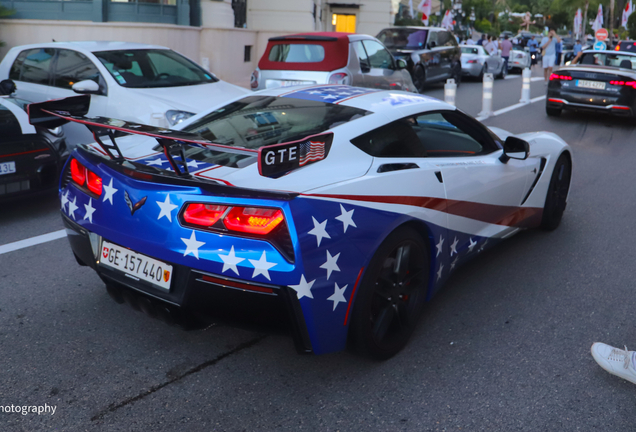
x=598 y=22
x=447 y=22
x=578 y=20
x=425 y=8
x=629 y=8
x=411 y=9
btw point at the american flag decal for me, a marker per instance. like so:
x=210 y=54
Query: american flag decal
x=311 y=151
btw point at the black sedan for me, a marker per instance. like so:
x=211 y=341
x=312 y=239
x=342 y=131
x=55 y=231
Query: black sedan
x=601 y=81
x=30 y=157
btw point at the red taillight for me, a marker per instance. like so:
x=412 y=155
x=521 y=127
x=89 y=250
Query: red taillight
x=620 y=107
x=338 y=78
x=203 y=214
x=253 y=220
x=618 y=47
x=624 y=83
x=254 y=79
x=472 y=61
x=94 y=182
x=78 y=172
x=560 y=77
x=81 y=175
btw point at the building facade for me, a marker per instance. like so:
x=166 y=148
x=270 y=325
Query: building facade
x=226 y=36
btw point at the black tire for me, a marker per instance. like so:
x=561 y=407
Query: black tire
x=553 y=112
x=391 y=296
x=555 y=201
x=419 y=78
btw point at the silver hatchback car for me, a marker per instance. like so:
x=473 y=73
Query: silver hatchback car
x=330 y=58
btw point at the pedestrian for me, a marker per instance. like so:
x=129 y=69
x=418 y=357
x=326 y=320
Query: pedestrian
x=506 y=47
x=532 y=47
x=548 y=45
x=482 y=40
x=616 y=361
x=492 y=47
x=577 y=48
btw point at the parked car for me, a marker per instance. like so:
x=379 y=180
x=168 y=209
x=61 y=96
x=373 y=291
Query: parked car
x=601 y=81
x=334 y=210
x=626 y=45
x=329 y=58
x=476 y=62
x=31 y=158
x=432 y=53
x=143 y=83
x=519 y=58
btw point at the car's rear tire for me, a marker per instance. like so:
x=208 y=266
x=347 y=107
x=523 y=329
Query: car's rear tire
x=556 y=199
x=391 y=295
x=419 y=78
x=553 y=112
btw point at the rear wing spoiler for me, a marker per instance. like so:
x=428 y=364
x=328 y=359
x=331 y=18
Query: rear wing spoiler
x=273 y=161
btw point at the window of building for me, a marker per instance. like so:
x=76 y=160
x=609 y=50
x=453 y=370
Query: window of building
x=240 y=13
x=71 y=67
x=247 y=54
x=33 y=66
x=344 y=23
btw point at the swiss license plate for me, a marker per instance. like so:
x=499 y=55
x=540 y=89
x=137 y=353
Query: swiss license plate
x=7 y=168
x=598 y=85
x=137 y=266
x=286 y=83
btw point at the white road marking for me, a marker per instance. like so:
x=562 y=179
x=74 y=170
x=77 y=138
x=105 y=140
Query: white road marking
x=512 y=76
x=536 y=79
x=44 y=238
x=510 y=108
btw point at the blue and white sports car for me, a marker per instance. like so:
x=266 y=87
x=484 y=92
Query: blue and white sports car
x=337 y=211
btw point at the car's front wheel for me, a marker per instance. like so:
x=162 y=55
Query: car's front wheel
x=557 y=196
x=391 y=296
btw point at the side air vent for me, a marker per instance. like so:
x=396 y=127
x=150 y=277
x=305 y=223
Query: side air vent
x=396 y=167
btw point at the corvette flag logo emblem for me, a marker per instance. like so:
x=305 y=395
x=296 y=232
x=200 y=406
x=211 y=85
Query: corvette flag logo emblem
x=136 y=206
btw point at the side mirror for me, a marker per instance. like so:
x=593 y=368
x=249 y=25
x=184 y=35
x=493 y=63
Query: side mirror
x=364 y=67
x=87 y=87
x=7 y=87
x=515 y=148
x=432 y=45
x=401 y=64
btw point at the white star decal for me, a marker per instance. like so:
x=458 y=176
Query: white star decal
x=64 y=200
x=454 y=263
x=261 y=267
x=158 y=162
x=319 y=230
x=89 y=210
x=230 y=261
x=454 y=247
x=331 y=264
x=338 y=295
x=72 y=206
x=314 y=92
x=192 y=245
x=166 y=208
x=330 y=97
x=481 y=249
x=439 y=246
x=303 y=289
x=192 y=163
x=471 y=245
x=109 y=191
x=439 y=272
x=346 y=217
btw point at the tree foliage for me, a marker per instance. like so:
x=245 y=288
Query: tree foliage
x=631 y=26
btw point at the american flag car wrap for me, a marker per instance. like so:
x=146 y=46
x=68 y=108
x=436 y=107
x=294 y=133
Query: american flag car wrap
x=311 y=151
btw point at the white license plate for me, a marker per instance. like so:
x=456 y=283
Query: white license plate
x=7 y=168
x=598 y=85
x=286 y=83
x=137 y=266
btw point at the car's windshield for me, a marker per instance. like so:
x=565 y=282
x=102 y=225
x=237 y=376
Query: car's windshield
x=471 y=50
x=623 y=61
x=153 y=68
x=403 y=38
x=257 y=121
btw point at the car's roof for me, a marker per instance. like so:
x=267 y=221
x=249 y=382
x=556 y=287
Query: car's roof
x=93 y=46
x=412 y=28
x=628 y=53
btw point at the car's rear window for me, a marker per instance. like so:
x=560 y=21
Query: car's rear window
x=470 y=50
x=403 y=38
x=617 y=60
x=297 y=53
x=257 y=121
x=628 y=46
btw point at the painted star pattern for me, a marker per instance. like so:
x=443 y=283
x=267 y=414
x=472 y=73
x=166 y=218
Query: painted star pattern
x=303 y=289
x=439 y=246
x=166 y=208
x=230 y=261
x=261 y=266
x=72 y=206
x=471 y=245
x=109 y=191
x=331 y=264
x=346 y=217
x=192 y=245
x=439 y=272
x=319 y=230
x=338 y=295
x=454 y=263
x=454 y=247
x=158 y=162
x=89 y=210
x=64 y=200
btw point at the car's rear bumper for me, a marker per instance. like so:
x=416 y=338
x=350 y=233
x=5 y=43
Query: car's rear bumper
x=473 y=69
x=199 y=295
x=616 y=104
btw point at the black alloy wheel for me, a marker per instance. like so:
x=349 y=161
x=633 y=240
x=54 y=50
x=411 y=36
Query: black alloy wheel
x=556 y=200
x=391 y=296
x=419 y=78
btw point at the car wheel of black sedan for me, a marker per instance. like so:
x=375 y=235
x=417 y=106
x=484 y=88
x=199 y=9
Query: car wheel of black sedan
x=419 y=78
x=553 y=112
x=391 y=296
x=555 y=201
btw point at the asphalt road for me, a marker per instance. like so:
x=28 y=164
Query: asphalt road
x=504 y=346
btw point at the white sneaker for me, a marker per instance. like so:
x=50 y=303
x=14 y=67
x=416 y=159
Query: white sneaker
x=616 y=361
